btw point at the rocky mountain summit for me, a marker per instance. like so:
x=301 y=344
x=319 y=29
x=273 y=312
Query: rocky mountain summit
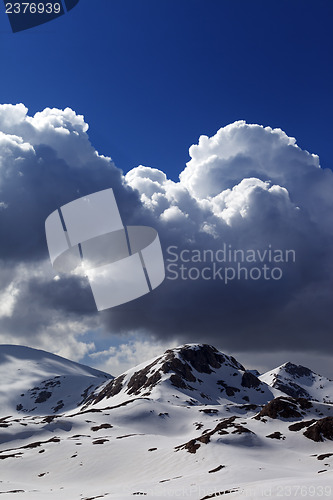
x=194 y=374
x=300 y=382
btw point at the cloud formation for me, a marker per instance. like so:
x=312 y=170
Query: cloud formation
x=248 y=188
x=46 y=161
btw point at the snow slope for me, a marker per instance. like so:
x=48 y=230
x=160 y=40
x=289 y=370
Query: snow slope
x=152 y=433
x=35 y=381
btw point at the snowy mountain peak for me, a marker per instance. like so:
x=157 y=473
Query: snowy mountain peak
x=300 y=382
x=189 y=374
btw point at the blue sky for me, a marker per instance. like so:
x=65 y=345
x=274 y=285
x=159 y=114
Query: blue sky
x=151 y=76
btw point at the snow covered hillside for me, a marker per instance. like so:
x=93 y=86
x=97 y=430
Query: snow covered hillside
x=37 y=382
x=191 y=423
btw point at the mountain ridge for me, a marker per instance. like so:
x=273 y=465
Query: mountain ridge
x=191 y=373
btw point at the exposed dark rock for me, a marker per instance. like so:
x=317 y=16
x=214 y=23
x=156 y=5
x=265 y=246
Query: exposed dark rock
x=191 y=446
x=43 y=396
x=49 y=418
x=14 y=491
x=300 y=425
x=14 y=455
x=224 y=424
x=284 y=407
x=98 y=410
x=173 y=364
x=249 y=407
x=100 y=441
x=230 y=391
x=102 y=496
x=115 y=386
x=209 y=411
x=325 y=455
x=177 y=381
x=60 y=405
x=276 y=435
x=292 y=389
x=249 y=380
x=111 y=389
x=220 y=429
x=322 y=429
x=85 y=394
x=204 y=396
x=3 y=419
x=140 y=380
x=219 y=493
x=203 y=359
x=51 y=383
x=205 y=438
x=298 y=370
x=39 y=443
x=216 y=469
x=240 y=429
x=128 y=435
x=102 y=426
x=304 y=403
x=29 y=446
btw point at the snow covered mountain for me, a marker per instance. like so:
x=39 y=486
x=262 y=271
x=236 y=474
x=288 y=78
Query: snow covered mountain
x=37 y=382
x=191 y=423
x=299 y=381
x=191 y=374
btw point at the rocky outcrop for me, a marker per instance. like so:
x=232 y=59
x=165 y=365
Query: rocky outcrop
x=321 y=430
x=284 y=407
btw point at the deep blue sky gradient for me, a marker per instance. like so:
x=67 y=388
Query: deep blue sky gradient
x=151 y=76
